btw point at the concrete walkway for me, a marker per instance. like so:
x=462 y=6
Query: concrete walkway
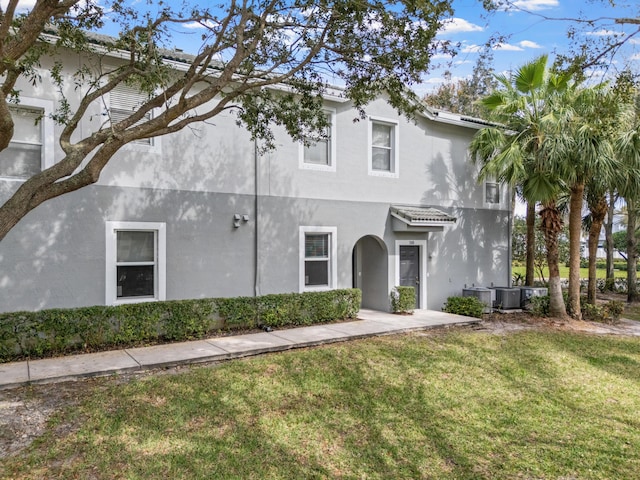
x=370 y=323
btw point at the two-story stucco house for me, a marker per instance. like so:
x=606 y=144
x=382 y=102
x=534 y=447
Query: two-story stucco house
x=383 y=201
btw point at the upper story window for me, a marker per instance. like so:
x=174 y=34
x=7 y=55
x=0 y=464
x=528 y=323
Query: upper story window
x=491 y=192
x=31 y=148
x=125 y=100
x=320 y=154
x=383 y=147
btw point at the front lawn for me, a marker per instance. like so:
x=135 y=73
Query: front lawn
x=448 y=405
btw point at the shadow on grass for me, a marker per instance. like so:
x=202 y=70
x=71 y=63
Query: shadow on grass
x=458 y=405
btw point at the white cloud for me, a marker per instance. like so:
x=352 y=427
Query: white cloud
x=459 y=25
x=605 y=33
x=535 y=5
x=24 y=5
x=441 y=56
x=462 y=62
x=471 y=49
x=529 y=44
x=635 y=57
x=507 y=47
x=196 y=25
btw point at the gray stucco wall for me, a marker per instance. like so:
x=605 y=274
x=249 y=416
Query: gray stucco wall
x=56 y=256
x=196 y=180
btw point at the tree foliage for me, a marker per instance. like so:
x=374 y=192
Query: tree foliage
x=266 y=60
x=462 y=95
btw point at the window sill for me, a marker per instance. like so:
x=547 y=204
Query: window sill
x=125 y=301
x=317 y=167
x=380 y=173
x=322 y=288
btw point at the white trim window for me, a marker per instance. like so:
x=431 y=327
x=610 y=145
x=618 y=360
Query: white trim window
x=491 y=192
x=321 y=154
x=318 y=261
x=31 y=148
x=125 y=100
x=135 y=262
x=383 y=147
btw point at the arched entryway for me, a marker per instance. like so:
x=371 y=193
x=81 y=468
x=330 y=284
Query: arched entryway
x=370 y=272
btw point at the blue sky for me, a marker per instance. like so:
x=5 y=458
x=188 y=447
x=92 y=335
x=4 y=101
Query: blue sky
x=529 y=35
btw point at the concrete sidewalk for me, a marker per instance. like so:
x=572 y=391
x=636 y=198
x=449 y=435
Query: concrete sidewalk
x=370 y=323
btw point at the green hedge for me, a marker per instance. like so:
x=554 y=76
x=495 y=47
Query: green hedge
x=403 y=299
x=58 y=331
x=468 y=306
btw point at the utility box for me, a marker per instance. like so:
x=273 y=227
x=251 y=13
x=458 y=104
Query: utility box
x=526 y=293
x=507 y=298
x=485 y=295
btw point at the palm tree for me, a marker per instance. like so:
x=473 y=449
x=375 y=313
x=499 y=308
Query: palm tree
x=586 y=135
x=598 y=209
x=517 y=154
x=628 y=148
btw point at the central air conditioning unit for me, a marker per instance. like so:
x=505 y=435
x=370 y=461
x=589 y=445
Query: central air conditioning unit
x=526 y=293
x=507 y=298
x=485 y=295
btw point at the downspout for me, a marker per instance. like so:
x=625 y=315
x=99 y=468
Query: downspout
x=256 y=233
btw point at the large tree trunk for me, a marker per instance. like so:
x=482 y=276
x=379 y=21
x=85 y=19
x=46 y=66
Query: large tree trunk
x=598 y=212
x=575 y=229
x=632 y=252
x=551 y=226
x=608 y=233
x=531 y=244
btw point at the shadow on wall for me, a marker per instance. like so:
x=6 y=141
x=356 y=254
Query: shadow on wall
x=475 y=249
x=55 y=257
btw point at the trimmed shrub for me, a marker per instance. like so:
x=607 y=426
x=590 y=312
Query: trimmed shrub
x=59 y=331
x=468 y=306
x=607 y=313
x=403 y=299
x=540 y=305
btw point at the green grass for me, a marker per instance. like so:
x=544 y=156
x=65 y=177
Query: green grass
x=632 y=312
x=457 y=405
x=564 y=272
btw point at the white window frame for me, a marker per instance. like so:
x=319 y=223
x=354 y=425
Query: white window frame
x=111 y=249
x=331 y=112
x=154 y=145
x=333 y=257
x=485 y=201
x=395 y=148
x=47 y=132
x=422 y=244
